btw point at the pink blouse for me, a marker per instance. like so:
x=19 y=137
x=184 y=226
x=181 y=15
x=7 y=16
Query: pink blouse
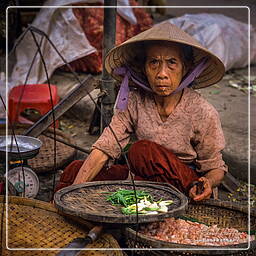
x=192 y=131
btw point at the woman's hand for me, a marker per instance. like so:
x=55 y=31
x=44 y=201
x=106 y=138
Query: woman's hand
x=206 y=190
x=211 y=179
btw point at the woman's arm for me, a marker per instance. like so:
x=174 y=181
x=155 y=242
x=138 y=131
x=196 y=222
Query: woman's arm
x=210 y=144
x=91 y=166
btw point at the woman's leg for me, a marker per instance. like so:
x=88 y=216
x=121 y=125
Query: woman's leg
x=69 y=174
x=148 y=160
x=151 y=161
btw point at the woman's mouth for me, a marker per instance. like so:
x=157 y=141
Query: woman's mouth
x=162 y=86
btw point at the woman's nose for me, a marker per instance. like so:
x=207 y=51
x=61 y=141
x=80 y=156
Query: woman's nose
x=163 y=71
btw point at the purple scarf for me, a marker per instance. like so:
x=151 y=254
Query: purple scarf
x=127 y=73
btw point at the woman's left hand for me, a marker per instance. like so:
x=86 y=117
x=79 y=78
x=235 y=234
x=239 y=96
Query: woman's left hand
x=206 y=191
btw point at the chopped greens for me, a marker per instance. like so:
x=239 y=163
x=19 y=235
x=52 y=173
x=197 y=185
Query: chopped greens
x=145 y=204
x=127 y=197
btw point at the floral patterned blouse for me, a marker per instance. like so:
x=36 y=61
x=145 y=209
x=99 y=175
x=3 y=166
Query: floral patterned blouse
x=192 y=131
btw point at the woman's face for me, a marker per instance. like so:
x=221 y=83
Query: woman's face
x=164 y=68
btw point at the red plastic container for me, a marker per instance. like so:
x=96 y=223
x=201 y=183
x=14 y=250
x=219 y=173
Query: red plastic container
x=34 y=97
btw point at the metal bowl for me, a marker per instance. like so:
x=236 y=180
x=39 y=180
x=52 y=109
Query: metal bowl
x=19 y=146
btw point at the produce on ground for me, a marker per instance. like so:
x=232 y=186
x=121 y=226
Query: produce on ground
x=193 y=233
x=145 y=203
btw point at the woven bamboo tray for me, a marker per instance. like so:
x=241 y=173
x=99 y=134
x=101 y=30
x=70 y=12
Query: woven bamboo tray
x=44 y=161
x=210 y=212
x=88 y=201
x=37 y=224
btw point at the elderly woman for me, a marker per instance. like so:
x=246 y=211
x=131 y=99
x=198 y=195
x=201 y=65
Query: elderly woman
x=179 y=135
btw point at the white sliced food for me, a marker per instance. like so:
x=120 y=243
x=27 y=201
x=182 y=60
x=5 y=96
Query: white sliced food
x=163 y=208
x=164 y=203
x=153 y=212
x=154 y=205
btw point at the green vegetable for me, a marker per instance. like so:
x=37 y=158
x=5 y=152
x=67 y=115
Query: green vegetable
x=145 y=203
x=151 y=209
x=127 y=197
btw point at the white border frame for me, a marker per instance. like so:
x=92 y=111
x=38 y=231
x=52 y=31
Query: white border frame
x=249 y=130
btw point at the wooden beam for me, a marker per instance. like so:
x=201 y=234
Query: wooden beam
x=80 y=91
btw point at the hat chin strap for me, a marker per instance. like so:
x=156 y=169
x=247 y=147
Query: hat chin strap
x=127 y=73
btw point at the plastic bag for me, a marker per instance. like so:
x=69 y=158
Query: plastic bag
x=62 y=27
x=126 y=13
x=224 y=36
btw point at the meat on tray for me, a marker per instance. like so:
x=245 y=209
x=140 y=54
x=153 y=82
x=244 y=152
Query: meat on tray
x=193 y=233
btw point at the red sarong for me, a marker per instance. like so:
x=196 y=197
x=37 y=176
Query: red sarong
x=148 y=160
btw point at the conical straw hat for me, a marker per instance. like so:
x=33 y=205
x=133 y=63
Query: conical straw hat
x=125 y=53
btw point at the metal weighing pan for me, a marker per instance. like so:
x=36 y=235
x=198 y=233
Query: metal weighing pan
x=27 y=146
x=88 y=201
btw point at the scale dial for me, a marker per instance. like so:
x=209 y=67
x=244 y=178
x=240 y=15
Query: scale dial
x=15 y=177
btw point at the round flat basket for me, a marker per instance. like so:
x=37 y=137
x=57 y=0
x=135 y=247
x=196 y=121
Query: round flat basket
x=88 y=201
x=210 y=212
x=44 y=160
x=36 y=224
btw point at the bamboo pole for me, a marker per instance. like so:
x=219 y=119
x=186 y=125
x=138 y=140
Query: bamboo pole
x=107 y=85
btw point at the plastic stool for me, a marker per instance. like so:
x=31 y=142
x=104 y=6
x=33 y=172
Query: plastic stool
x=35 y=97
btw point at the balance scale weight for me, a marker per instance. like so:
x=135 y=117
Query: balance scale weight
x=17 y=168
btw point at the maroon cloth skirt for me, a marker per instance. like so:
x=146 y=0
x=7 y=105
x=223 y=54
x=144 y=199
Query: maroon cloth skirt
x=148 y=161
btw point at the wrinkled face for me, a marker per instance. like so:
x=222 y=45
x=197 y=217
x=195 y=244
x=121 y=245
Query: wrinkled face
x=164 y=68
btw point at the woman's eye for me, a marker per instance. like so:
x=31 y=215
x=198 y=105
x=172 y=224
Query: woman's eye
x=153 y=62
x=171 y=61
